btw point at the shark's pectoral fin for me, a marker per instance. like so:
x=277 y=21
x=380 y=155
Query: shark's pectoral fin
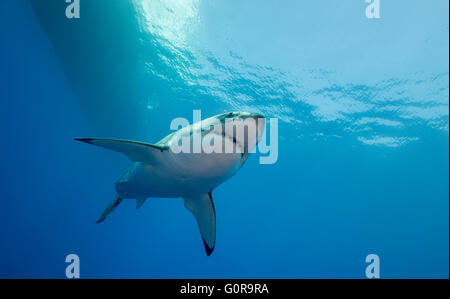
x=117 y=200
x=202 y=207
x=140 y=202
x=135 y=151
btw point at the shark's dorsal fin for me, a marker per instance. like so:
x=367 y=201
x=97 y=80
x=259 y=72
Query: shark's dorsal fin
x=134 y=150
x=202 y=207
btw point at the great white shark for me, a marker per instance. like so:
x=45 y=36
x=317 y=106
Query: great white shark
x=159 y=171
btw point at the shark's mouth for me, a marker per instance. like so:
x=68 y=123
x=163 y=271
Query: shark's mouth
x=239 y=148
x=231 y=138
x=242 y=150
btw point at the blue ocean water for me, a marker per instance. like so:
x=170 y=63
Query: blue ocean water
x=363 y=109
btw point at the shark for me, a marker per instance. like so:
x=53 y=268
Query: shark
x=163 y=170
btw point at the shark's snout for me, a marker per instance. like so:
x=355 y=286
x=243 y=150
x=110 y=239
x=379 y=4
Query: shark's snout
x=256 y=115
x=260 y=121
x=255 y=124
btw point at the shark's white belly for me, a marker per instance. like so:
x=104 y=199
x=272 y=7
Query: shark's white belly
x=178 y=175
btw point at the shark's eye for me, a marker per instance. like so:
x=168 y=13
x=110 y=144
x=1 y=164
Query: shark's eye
x=230 y=114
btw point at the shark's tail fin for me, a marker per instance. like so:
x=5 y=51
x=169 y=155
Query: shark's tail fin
x=117 y=200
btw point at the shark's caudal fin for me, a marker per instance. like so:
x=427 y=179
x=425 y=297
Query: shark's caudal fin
x=117 y=200
x=134 y=150
x=202 y=207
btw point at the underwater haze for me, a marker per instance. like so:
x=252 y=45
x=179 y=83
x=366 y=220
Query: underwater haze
x=363 y=138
